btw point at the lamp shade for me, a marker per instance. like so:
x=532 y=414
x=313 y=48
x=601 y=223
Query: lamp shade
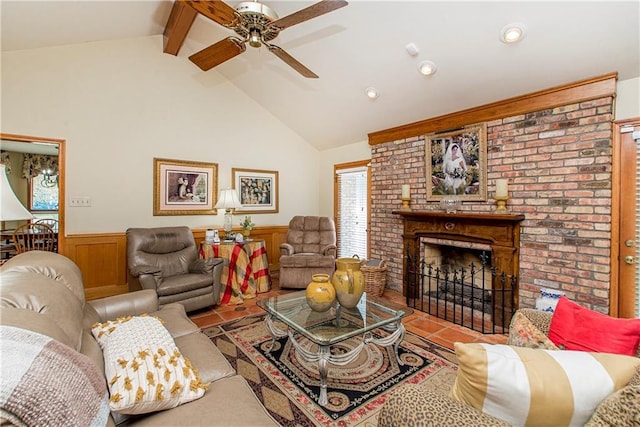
x=228 y=200
x=10 y=209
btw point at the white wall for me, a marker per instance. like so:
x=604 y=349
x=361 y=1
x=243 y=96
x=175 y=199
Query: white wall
x=628 y=99
x=329 y=158
x=119 y=104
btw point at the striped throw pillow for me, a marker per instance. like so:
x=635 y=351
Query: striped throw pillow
x=525 y=386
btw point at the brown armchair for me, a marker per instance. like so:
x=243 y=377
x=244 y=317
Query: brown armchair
x=310 y=249
x=166 y=260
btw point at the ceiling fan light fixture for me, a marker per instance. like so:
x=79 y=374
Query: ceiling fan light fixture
x=372 y=92
x=255 y=39
x=512 y=33
x=427 y=68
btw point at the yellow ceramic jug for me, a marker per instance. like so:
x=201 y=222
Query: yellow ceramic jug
x=320 y=293
x=348 y=281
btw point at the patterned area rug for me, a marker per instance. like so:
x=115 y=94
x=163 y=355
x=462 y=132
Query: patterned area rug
x=288 y=386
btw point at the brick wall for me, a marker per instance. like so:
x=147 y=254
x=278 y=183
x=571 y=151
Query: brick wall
x=558 y=162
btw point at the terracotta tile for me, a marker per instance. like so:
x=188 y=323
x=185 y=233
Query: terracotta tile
x=493 y=339
x=236 y=314
x=425 y=325
x=453 y=335
x=464 y=330
x=225 y=308
x=208 y=320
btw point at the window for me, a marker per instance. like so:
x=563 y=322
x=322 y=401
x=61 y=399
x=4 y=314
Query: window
x=352 y=208
x=43 y=194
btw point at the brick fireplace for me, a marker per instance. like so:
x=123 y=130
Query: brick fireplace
x=495 y=235
x=555 y=148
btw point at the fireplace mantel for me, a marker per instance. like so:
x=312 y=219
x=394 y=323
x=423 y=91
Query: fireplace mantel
x=500 y=231
x=494 y=229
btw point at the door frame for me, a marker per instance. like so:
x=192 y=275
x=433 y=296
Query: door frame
x=348 y=165
x=61 y=177
x=616 y=205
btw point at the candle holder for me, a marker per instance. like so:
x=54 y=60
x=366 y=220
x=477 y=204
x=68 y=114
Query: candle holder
x=502 y=204
x=406 y=203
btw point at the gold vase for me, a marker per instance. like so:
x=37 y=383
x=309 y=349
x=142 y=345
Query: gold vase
x=348 y=282
x=320 y=293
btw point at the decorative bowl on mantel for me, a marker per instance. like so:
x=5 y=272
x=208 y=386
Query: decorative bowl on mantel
x=450 y=204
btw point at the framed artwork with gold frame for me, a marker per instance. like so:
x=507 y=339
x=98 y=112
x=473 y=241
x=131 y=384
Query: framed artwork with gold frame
x=182 y=187
x=456 y=163
x=257 y=190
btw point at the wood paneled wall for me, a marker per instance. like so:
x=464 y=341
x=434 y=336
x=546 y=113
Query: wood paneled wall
x=102 y=258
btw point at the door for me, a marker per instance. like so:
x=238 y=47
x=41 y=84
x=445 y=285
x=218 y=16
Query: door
x=352 y=185
x=626 y=240
x=30 y=144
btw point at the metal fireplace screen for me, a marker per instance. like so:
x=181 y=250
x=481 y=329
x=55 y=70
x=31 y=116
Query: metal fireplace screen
x=475 y=295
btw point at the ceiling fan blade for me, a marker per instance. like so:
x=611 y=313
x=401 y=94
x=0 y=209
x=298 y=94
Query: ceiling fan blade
x=313 y=11
x=292 y=62
x=218 y=53
x=216 y=10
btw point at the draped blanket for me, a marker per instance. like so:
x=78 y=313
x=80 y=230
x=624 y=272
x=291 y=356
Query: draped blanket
x=45 y=382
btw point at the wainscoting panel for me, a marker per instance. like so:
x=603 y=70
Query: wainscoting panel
x=102 y=258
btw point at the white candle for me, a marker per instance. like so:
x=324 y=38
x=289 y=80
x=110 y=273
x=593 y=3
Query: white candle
x=502 y=188
x=405 y=191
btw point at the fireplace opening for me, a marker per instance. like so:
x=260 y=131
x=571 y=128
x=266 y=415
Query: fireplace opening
x=483 y=282
x=454 y=280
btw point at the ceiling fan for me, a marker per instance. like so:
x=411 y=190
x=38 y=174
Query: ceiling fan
x=257 y=24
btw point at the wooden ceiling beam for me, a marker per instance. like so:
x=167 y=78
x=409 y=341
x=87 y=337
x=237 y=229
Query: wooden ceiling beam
x=178 y=25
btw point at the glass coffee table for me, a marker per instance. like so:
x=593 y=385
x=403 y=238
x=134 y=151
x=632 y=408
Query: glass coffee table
x=333 y=326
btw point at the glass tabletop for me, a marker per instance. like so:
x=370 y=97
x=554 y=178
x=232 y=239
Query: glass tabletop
x=336 y=324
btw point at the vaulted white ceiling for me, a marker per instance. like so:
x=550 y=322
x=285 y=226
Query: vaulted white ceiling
x=363 y=45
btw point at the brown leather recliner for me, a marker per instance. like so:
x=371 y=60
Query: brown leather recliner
x=166 y=260
x=310 y=249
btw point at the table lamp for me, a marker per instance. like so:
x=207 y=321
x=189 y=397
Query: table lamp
x=10 y=209
x=228 y=201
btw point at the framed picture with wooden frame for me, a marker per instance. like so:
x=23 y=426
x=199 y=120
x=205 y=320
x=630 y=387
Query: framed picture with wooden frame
x=456 y=163
x=257 y=190
x=182 y=187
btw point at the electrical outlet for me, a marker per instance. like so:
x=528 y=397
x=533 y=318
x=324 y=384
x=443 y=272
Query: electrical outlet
x=80 y=202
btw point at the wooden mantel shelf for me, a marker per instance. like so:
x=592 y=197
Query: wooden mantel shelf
x=459 y=215
x=501 y=230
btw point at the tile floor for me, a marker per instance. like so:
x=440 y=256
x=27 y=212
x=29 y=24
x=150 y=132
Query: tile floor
x=427 y=326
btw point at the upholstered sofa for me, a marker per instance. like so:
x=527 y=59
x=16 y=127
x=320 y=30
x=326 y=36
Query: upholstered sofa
x=413 y=405
x=46 y=339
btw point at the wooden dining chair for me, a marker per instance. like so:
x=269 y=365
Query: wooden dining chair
x=34 y=237
x=51 y=222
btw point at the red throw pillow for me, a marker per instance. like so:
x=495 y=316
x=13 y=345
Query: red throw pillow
x=574 y=327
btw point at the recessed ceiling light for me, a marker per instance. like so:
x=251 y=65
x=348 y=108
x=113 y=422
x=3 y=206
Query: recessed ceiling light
x=427 y=68
x=372 y=92
x=512 y=33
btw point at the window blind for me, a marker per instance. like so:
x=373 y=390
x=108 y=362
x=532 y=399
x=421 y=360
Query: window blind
x=352 y=212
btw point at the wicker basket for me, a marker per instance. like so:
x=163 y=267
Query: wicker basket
x=375 y=278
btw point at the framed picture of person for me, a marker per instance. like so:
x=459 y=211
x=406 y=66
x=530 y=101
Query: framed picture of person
x=182 y=187
x=456 y=163
x=257 y=190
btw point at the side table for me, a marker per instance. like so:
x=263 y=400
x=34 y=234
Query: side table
x=245 y=272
